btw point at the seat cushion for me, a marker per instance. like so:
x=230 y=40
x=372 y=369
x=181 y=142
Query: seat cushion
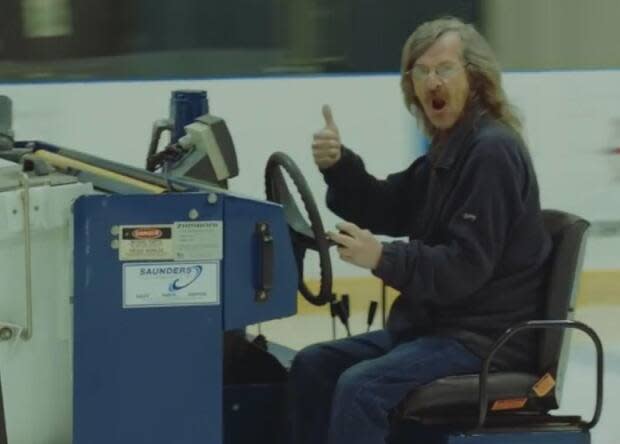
x=459 y=394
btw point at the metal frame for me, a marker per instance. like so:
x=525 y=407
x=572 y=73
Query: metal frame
x=529 y=325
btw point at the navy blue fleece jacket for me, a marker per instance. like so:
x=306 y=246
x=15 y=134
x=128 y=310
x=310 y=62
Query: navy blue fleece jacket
x=474 y=261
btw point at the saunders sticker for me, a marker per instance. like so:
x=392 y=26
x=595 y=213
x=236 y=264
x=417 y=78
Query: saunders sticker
x=170 y=284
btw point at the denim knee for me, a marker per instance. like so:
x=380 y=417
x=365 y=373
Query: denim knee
x=350 y=383
x=307 y=363
x=357 y=402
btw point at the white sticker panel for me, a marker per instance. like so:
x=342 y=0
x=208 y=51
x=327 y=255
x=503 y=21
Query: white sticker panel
x=145 y=242
x=169 y=284
x=200 y=240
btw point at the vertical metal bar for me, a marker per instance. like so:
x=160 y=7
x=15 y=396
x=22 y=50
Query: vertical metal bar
x=3 y=437
x=24 y=181
x=383 y=303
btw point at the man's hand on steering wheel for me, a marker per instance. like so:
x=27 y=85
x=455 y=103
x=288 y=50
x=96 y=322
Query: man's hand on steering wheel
x=357 y=246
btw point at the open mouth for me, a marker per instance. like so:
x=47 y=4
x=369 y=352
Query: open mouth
x=438 y=104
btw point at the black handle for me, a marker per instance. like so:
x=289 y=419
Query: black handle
x=346 y=306
x=158 y=128
x=383 y=303
x=333 y=302
x=339 y=310
x=265 y=262
x=372 y=310
x=529 y=325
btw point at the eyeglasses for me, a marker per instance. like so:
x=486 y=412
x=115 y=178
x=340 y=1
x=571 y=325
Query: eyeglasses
x=444 y=71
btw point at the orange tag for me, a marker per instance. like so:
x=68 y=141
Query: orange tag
x=544 y=385
x=509 y=404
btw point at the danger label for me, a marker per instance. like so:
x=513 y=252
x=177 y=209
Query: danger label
x=145 y=242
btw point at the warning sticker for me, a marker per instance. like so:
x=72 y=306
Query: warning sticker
x=145 y=242
x=168 y=284
x=200 y=240
x=544 y=385
x=509 y=404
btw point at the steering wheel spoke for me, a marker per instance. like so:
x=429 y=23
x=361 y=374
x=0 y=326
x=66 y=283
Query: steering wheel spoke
x=303 y=238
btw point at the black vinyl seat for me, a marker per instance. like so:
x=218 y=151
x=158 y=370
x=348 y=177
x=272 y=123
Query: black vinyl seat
x=466 y=399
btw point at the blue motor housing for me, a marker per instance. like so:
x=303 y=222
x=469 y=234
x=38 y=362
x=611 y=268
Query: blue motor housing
x=158 y=279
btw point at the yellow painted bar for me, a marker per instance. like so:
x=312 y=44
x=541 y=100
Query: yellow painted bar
x=63 y=163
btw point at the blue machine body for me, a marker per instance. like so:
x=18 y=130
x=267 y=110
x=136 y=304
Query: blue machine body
x=153 y=374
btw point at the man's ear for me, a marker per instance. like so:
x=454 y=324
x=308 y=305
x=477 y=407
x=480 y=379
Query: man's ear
x=475 y=85
x=472 y=77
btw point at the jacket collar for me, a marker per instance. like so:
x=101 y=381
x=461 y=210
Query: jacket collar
x=446 y=148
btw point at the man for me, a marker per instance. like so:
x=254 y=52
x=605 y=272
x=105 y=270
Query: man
x=473 y=265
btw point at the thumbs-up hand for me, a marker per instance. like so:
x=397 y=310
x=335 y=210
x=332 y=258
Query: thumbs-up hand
x=326 y=145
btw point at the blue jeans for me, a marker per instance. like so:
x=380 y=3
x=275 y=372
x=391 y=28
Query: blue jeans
x=342 y=391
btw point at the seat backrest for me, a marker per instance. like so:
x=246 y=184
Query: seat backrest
x=568 y=233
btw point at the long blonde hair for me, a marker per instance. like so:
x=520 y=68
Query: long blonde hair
x=482 y=67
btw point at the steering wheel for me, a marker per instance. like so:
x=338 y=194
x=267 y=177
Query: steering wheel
x=304 y=236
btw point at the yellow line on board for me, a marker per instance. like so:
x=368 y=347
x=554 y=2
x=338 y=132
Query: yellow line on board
x=597 y=287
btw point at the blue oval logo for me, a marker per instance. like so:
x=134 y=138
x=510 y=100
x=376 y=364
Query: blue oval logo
x=187 y=280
